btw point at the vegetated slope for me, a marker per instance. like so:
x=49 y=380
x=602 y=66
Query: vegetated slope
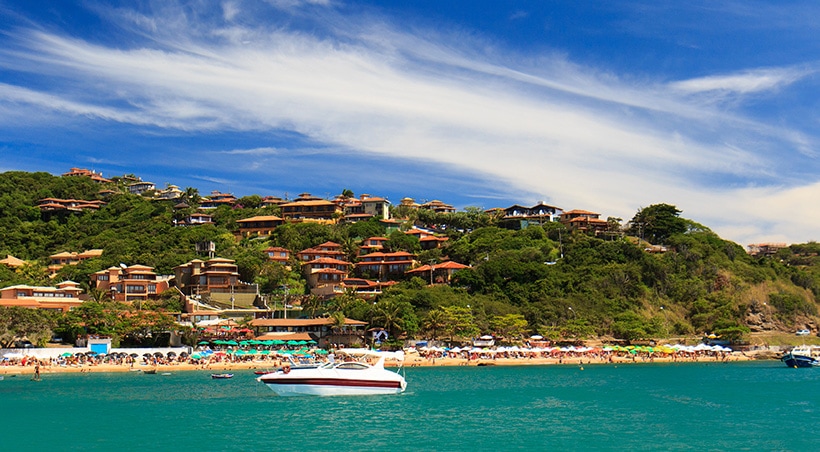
x=558 y=283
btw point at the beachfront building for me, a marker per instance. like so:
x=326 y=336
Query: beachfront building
x=321 y=330
x=62 y=298
x=372 y=244
x=134 y=283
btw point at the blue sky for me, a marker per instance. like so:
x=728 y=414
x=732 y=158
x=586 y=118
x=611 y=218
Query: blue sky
x=602 y=106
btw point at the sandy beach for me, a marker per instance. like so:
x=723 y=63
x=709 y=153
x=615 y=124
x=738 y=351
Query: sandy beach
x=411 y=360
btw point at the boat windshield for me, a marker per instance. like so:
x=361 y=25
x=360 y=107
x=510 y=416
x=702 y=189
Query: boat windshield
x=352 y=366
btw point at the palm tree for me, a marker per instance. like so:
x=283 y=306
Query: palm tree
x=387 y=314
x=191 y=196
x=436 y=321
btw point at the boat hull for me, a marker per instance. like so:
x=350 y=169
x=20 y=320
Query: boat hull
x=332 y=386
x=340 y=379
x=795 y=360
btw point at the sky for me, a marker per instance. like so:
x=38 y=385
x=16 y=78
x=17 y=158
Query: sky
x=603 y=106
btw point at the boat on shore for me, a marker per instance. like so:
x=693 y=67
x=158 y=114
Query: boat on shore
x=803 y=356
x=339 y=378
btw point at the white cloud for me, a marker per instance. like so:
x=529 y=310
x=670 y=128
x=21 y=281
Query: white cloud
x=750 y=81
x=578 y=137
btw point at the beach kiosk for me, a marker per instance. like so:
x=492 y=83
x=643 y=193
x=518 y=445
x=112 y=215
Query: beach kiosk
x=100 y=345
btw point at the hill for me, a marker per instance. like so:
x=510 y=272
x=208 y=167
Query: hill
x=543 y=279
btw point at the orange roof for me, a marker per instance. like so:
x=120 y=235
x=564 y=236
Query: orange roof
x=260 y=218
x=322 y=321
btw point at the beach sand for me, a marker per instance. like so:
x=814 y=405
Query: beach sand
x=411 y=360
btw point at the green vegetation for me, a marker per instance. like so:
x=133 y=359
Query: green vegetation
x=543 y=279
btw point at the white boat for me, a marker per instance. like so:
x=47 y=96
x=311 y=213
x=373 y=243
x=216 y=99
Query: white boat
x=339 y=378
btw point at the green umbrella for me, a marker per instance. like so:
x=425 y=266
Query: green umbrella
x=321 y=352
x=203 y=343
x=311 y=341
x=301 y=343
x=218 y=342
x=251 y=351
x=265 y=352
x=266 y=343
x=293 y=343
x=66 y=355
x=231 y=343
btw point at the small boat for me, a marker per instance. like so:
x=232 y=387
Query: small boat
x=149 y=371
x=221 y=376
x=338 y=378
x=803 y=356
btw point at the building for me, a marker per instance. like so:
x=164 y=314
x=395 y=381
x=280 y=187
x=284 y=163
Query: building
x=371 y=245
x=278 y=254
x=12 y=262
x=216 y=199
x=438 y=207
x=328 y=249
x=169 y=192
x=68 y=205
x=765 y=249
x=325 y=271
x=584 y=221
x=140 y=187
x=259 y=225
x=62 y=298
x=538 y=214
x=320 y=330
x=384 y=266
x=82 y=172
x=216 y=282
x=311 y=208
x=364 y=207
x=134 y=283
x=438 y=273
x=60 y=260
x=196 y=219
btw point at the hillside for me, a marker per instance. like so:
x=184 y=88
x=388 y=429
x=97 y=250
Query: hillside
x=543 y=279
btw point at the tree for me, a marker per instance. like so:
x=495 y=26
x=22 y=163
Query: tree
x=657 y=223
x=509 y=326
x=18 y=323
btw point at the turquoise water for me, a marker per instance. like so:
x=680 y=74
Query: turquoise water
x=737 y=406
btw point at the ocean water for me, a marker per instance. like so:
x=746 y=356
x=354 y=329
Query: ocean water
x=703 y=407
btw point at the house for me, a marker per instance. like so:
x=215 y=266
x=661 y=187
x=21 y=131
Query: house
x=328 y=249
x=537 y=214
x=325 y=271
x=320 y=330
x=269 y=201
x=62 y=298
x=278 y=254
x=312 y=208
x=68 y=205
x=259 y=225
x=169 y=192
x=82 y=172
x=12 y=262
x=140 y=187
x=584 y=221
x=765 y=249
x=216 y=281
x=372 y=244
x=60 y=260
x=438 y=273
x=196 y=218
x=216 y=199
x=134 y=283
x=363 y=288
x=385 y=265
x=364 y=207
x=438 y=207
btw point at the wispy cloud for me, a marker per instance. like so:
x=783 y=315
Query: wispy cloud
x=750 y=81
x=534 y=127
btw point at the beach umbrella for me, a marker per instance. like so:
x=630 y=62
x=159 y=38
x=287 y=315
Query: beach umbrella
x=537 y=337
x=231 y=343
x=171 y=354
x=265 y=352
x=183 y=354
x=311 y=341
x=158 y=354
x=202 y=343
x=292 y=342
x=65 y=355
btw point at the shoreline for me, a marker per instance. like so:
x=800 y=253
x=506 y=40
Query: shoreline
x=410 y=361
